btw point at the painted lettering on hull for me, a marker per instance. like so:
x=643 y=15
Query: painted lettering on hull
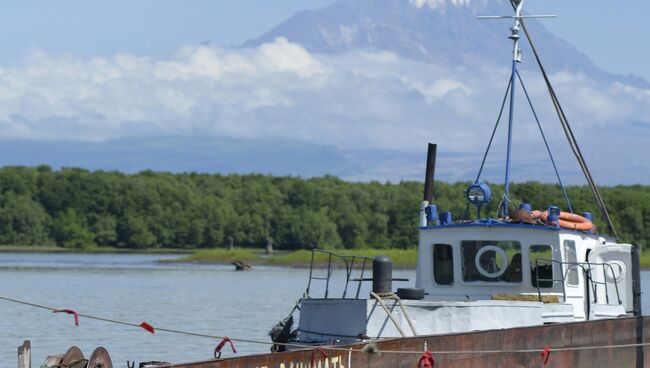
x=333 y=362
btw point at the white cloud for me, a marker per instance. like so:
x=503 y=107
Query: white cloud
x=433 y=4
x=439 y=89
x=442 y=5
x=355 y=100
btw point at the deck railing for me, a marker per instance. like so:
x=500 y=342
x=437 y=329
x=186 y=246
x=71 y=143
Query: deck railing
x=350 y=264
x=587 y=270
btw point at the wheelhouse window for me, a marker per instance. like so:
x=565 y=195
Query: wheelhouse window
x=571 y=257
x=491 y=261
x=541 y=265
x=443 y=264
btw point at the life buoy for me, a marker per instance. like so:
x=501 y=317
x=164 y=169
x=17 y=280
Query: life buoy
x=567 y=220
x=497 y=252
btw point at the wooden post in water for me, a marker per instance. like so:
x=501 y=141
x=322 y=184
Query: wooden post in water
x=25 y=355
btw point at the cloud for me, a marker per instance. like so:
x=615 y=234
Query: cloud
x=442 y=5
x=360 y=100
x=113 y=97
x=433 y=4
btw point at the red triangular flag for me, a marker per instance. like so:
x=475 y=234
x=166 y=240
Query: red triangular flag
x=546 y=354
x=69 y=311
x=148 y=327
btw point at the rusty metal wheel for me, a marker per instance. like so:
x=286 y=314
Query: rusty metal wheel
x=73 y=358
x=100 y=359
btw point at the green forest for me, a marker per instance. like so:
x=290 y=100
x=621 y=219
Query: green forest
x=76 y=208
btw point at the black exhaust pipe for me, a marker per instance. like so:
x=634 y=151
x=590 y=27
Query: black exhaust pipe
x=431 y=168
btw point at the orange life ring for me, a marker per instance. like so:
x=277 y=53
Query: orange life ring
x=568 y=220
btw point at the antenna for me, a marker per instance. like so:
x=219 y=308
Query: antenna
x=514 y=35
x=512 y=16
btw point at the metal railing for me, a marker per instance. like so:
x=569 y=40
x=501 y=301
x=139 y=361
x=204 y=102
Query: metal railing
x=587 y=268
x=351 y=263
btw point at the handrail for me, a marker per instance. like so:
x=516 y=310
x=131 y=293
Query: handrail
x=588 y=275
x=349 y=262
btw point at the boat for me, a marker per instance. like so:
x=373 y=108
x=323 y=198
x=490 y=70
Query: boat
x=521 y=268
x=524 y=288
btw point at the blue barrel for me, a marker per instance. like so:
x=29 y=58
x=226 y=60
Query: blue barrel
x=554 y=215
x=445 y=218
x=432 y=215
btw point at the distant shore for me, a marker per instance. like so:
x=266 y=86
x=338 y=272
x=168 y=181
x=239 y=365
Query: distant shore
x=95 y=250
x=401 y=258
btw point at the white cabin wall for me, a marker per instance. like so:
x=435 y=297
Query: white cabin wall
x=479 y=290
x=424 y=271
x=576 y=294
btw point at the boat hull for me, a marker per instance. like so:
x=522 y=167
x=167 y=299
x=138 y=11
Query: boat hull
x=603 y=334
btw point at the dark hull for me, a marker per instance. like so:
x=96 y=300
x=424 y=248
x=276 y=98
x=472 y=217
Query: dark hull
x=602 y=333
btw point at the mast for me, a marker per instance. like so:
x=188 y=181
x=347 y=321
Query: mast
x=516 y=58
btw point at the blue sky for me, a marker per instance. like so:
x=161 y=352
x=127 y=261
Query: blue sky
x=613 y=34
x=143 y=27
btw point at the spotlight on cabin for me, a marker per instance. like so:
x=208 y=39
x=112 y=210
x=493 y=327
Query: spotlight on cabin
x=479 y=194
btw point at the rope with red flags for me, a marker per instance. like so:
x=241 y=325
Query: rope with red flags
x=426 y=359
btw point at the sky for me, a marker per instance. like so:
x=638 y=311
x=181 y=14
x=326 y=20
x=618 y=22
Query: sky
x=613 y=35
x=95 y=71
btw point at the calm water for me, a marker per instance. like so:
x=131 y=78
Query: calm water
x=206 y=299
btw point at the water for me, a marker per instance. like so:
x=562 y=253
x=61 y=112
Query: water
x=208 y=299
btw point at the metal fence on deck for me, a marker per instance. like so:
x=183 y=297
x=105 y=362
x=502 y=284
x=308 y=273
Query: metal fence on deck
x=351 y=264
x=588 y=270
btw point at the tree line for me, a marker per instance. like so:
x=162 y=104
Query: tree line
x=78 y=208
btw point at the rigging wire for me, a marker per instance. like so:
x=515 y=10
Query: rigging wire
x=571 y=137
x=548 y=149
x=503 y=104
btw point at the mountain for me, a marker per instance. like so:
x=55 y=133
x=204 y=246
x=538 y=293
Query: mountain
x=440 y=31
x=354 y=89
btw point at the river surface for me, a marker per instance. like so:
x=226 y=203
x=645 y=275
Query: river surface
x=206 y=299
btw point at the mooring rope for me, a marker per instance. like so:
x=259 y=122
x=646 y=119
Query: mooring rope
x=168 y=330
x=361 y=349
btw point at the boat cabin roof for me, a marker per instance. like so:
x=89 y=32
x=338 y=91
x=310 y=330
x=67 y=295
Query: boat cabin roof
x=495 y=223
